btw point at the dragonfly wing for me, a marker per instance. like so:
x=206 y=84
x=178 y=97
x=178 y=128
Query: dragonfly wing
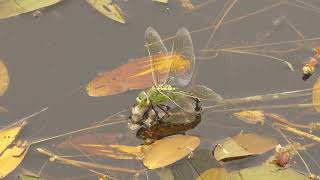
x=183 y=60
x=181 y=101
x=157 y=53
x=205 y=93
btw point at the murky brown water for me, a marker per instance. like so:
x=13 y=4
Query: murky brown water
x=49 y=58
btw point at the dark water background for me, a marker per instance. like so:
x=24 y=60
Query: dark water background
x=49 y=58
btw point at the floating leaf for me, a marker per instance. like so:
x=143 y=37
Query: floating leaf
x=137 y=74
x=316 y=95
x=169 y=150
x=266 y=172
x=8 y=135
x=243 y=145
x=4 y=77
x=11 y=158
x=109 y=9
x=215 y=174
x=161 y=1
x=9 y=8
x=251 y=117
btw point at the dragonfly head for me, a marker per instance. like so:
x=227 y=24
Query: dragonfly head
x=143 y=98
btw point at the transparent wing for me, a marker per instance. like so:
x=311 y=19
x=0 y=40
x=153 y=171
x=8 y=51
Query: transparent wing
x=204 y=93
x=181 y=101
x=183 y=60
x=158 y=55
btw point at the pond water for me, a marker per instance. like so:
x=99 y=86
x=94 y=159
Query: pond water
x=51 y=58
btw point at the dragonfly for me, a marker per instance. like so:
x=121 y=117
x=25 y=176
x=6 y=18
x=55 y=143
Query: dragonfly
x=170 y=85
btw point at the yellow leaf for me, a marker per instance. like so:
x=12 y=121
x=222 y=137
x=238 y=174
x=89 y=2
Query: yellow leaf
x=215 y=174
x=9 y=8
x=251 y=117
x=169 y=150
x=8 y=135
x=316 y=95
x=4 y=78
x=133 y=150
x=11 y=158
x=161 y=1
x=109 y=9
x=243 y=145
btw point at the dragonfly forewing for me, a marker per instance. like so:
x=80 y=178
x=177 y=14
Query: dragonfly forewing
x=183 y=60
x=158 y=56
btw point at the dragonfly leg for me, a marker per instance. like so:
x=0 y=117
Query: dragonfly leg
x=164 y=110
x=167 y=107
x=198 y=107
x=157 y=115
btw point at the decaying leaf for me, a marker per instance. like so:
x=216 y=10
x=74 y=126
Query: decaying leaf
x=169 y=150
x=8 y=135
x=11 y=158
x=316 y=95
x=137 y=74
x=243 y=145
x=215 y=174
x=161 y=1
x=251 y=117
x=4 y=77
x=9 y=8
x=266 y=172
x=187 y=4
x=109 y=9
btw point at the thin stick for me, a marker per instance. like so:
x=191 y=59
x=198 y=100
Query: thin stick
x=266 y=97
x=217 y=26
x=82 y=164
x=298 y=132
x=285 y=106
x=256 y=54
x=27 y=118
x=76 y=131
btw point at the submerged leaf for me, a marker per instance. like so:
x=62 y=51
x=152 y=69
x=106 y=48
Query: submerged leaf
x=8 y=135
x=4 y=78
x=251 y=117
x=169 y=150
x=11 y=158
x=187 y=4
x=9 y=8
x=243 y=145
x=109 y=9
x=316 y=95
x=266 y=172
x=215 y=174
x=137 y=74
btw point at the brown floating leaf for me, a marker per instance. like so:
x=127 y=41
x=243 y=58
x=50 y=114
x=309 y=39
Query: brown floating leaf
x=11 y=158
x=4 y=78
x=109 y=9
x=215 y=174
x=9 y=8
x=94 y=138
x=169 y=150
x=251 y=117
x=137 y=74
x=316 y=95
x=243 y=145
